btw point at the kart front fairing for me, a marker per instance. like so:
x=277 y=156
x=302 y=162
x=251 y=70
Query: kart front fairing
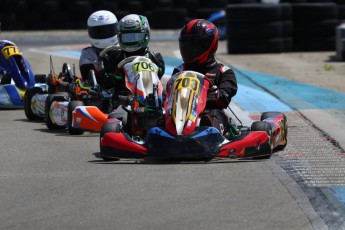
x=186 y=99
x=13 y=63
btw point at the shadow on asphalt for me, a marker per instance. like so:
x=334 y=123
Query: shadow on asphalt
x=155 y=161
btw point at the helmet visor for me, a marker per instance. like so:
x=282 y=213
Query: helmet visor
x=191 y=50
x=102 y=32
x=132 y=37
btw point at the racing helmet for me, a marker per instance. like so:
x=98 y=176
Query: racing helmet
x=134 y=32
x=198 y=41
x=102 y=29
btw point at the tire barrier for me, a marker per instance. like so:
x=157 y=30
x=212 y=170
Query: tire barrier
x=298 y=26
x=314 y=26
x=291 y=25
x=254 y=28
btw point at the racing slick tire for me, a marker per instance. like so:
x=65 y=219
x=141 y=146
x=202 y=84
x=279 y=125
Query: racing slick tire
x=29 y=94
x=71 y=106
x=272 y=114
x=40 y=78
x=109 y=127
x=50 y=99
x=266 y=127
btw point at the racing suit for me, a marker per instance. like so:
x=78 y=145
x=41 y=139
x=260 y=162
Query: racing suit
x=219 y=96
x=90 y=60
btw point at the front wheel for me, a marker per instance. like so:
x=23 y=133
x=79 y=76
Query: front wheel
x=284 y=127
x=71 y=106
x=266 y=127
x=29 y=94
x=109 y=127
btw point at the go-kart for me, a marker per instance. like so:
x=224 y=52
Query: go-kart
x=140 y=112
x=16 y=75
x=65 y=92
x=181 y=137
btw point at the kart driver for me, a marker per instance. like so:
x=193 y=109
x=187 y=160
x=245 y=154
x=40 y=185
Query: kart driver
x=198 y=42
x=134 y=37
x=102 y=31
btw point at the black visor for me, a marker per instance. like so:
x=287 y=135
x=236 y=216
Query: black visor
x=191 y=49
x=102 y=32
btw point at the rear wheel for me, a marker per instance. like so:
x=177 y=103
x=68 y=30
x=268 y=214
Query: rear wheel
x=6 y=79
x=71 y=106
x=29 y=94
x=284 y=130
x=60 y=96
x=270 y=114
x=266 y=127
x=109 y=127
x=40 y=78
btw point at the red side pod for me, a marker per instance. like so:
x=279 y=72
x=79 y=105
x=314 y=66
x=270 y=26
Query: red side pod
x=120 y=142
x=237 y=149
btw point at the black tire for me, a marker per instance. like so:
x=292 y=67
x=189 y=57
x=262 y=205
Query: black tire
x=29 y=93
x=254 y=30
x=71 y=106
x=314 y=44
x=272 y=114
x=244 y=46
x=40 y=78
x=265 y=115
x=6 y=79
x=253 y=12
x=60 y=96
x=266 y=127
x=109 y=127
x=314 y=11
x=310 y=29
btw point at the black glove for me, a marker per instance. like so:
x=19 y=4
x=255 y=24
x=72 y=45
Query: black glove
x=124 y=100
x=213 y=93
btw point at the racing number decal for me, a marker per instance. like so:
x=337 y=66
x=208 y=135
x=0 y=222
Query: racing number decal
x=187 y=82
x=9 y=51
x=143 y=65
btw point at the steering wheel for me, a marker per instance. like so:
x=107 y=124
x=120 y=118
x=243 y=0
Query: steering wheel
x=66 y=71
x=126 y=60
x=104 y=52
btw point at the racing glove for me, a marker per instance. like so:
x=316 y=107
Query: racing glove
x=124 y=100
x=98 y=65
x=213 y=94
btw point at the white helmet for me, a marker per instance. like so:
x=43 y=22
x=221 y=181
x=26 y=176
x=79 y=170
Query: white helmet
x=102 y=29
x=134 y=32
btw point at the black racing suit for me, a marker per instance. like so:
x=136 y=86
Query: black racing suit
x=225 y=80
x=118 y=81
x=89 y=56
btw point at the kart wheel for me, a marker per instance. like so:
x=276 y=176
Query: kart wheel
x=60 y=96
x=265 y=115
x=109 y=127
x=5 y=80
x=29 y=94
x=266 y=127
x=71 y=106
x=285 y=130
x=40 y=78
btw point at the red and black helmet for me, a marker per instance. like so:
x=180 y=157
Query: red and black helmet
x=198 y=41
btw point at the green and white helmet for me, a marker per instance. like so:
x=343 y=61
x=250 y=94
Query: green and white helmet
x=134 y=32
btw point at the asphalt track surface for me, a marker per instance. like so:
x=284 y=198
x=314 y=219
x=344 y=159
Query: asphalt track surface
x=51 y=180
